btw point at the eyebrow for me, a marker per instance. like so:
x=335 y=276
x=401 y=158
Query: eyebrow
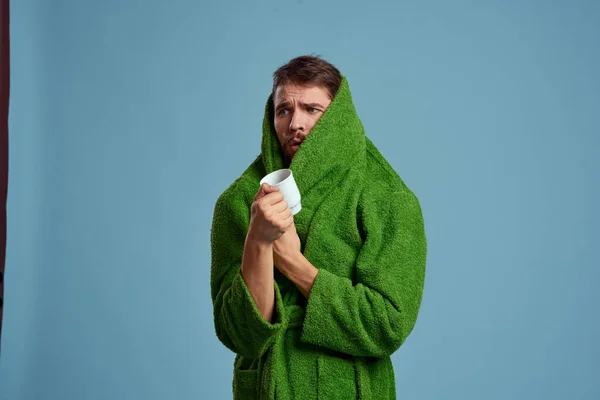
x=287 y=104
x=315 y=105
x=282 y=105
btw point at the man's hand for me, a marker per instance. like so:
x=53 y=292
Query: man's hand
x=286 y=247
x=270 y=215
x=290 y=261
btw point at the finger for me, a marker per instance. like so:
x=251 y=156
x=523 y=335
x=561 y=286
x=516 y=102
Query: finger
x=265 y=189
x=273 y=198
x=285 y=213
x=269 y=189
x=289 y=221
x=281 y=211
x=280 y=207
x=262 y=191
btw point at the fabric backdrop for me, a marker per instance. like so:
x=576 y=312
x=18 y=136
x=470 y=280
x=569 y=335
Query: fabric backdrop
x=128 y=118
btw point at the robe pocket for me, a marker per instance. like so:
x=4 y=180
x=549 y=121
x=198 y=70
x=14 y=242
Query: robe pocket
x=245 y=384
x=336 y=378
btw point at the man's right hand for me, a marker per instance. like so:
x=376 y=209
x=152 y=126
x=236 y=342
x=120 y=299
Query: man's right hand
x=270 y=215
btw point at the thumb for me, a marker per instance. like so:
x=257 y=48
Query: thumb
x=265 y=189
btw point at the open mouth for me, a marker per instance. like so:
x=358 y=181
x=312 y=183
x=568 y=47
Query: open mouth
x=296 y=144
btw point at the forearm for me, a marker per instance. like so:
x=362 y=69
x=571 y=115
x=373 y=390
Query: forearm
x=299 y=270
x=257 y=272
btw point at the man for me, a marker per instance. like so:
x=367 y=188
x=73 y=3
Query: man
x=315 y=304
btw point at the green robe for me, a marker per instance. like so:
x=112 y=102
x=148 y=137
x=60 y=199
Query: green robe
x=363 y=229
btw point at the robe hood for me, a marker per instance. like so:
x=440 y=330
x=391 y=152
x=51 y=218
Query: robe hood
x=336 y=143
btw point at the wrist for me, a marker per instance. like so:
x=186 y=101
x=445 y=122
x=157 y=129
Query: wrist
x=255 y=241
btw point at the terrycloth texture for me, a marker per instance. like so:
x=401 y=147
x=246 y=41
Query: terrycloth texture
x=363 y=229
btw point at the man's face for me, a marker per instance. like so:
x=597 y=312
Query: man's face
x=297 y=110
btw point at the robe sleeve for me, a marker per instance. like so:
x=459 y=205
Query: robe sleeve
x=238 y=323
x=374 y=316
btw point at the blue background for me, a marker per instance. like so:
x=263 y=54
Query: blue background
x=128 y=119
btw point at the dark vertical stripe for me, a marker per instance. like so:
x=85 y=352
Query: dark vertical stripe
x=4 y=90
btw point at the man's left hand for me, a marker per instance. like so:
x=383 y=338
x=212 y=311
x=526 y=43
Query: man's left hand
x=286 y=248
x=290 y=261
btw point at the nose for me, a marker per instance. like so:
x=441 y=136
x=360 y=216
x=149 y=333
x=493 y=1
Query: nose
x=297 y=123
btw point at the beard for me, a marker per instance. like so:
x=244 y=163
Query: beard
x=287 y=157
x=287 y=152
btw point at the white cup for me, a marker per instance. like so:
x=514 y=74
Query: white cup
x=284 y=180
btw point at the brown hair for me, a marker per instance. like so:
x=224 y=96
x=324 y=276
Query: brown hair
x=310 y=71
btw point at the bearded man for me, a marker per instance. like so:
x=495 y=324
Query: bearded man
x=314 y=304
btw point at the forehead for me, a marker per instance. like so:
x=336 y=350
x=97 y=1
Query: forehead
x=292 y=91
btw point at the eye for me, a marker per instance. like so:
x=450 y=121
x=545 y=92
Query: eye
x=312 y=110
x=283 y=111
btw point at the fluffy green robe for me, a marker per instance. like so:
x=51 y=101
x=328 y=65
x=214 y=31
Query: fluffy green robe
x=362 y=228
